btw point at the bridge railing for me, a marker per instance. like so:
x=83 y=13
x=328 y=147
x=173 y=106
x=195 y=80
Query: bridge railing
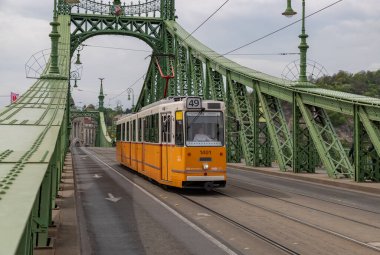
x=34 y=137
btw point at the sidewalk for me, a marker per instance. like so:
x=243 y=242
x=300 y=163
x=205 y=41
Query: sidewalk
x=319 y=177
x=64 y=233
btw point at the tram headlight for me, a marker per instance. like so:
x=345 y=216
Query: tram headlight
x=205 y=166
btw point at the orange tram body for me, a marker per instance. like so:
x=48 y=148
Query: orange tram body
x=178 y=141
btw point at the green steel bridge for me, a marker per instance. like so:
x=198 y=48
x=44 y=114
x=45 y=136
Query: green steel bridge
x=34 y=131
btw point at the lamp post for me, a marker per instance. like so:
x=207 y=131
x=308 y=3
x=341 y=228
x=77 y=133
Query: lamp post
x=74 y=75
x=303 y=36
x=79 y=49
x=130 y=91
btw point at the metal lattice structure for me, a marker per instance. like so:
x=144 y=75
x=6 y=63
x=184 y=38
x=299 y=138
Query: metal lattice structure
x=259 y=125
x=31 y=165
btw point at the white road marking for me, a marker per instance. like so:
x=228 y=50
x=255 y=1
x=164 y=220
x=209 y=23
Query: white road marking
x=188 y=222
x=97 y=176
x=112 y=198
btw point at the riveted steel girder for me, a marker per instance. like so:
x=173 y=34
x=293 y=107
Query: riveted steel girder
x=216 y=86
x=278 y=130
x=328 y=146
x=366 y=147
x=243 y=114
x=304 y=153
x=182 y=68
x=233 y=144
x=196 y=76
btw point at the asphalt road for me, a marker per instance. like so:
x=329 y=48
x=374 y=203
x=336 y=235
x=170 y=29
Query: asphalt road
x=122 y=213
x=118 y=217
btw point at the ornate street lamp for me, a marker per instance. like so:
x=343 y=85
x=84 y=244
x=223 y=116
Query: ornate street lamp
x=74 y=75
x=80 y=48
x=289 y=12
x=303 y=45
x=130 y=91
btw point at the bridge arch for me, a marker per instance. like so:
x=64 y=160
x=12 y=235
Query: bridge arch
x=145 y=29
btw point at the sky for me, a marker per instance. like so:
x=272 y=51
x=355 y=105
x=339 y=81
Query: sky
x=343 y=37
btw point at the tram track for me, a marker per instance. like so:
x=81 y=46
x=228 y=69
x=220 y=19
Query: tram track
x=241 y=226
x=303 y=195
x=267 y=234
x=309 y=207
x=336 y=234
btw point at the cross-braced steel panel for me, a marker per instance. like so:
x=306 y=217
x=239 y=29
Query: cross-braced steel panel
x=304 y=152
x=243 y=113
x=278 y=130
x=326 y=141
x=182 y=71
x=197 y=76
x=367 y=136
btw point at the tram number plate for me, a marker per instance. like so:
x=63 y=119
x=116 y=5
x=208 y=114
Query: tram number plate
x=193 y=103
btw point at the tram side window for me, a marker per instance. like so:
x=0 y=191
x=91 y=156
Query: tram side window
x=166 y=128
x=118 y=132
x=155 y=129
x=179 y=137
x=139 y=130
x=127 y=132
x=146 y=128
x=123 y=132
x=169 y=129
x=151 y=128
x=133 y=138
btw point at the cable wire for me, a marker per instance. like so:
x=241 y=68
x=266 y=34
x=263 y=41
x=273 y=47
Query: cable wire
x=265 y=54
x=128 y=87
x=220 y=7
x=280 y=29
x=114 y=48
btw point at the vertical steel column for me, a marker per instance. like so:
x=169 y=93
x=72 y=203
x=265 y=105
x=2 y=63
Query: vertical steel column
x=278 y=130
x=264 y=146
x=206 y=88
x=197 y=76
x=326 y=141
x=356 y=146
x=244 y=115
x=234 y=148
x=216 y=86
x=304 y=153
x=372 y=151
x=181 y=74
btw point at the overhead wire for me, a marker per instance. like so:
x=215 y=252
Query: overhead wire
x=128 y=87
x=115 y=48
x=217 y=10
x=265 y=54
x=280 y=29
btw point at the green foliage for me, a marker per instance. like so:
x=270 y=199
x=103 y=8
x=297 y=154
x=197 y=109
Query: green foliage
x=365 y=83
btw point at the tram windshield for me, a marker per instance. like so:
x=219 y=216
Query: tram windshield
x=204 y=129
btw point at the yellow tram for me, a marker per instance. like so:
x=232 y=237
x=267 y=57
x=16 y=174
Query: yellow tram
x=178 y=141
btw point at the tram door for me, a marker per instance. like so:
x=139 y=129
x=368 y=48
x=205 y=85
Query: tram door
x=165 y=142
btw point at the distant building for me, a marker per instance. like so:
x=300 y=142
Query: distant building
x=83 y=132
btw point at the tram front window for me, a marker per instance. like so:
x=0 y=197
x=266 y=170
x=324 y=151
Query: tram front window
x=204 y=129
